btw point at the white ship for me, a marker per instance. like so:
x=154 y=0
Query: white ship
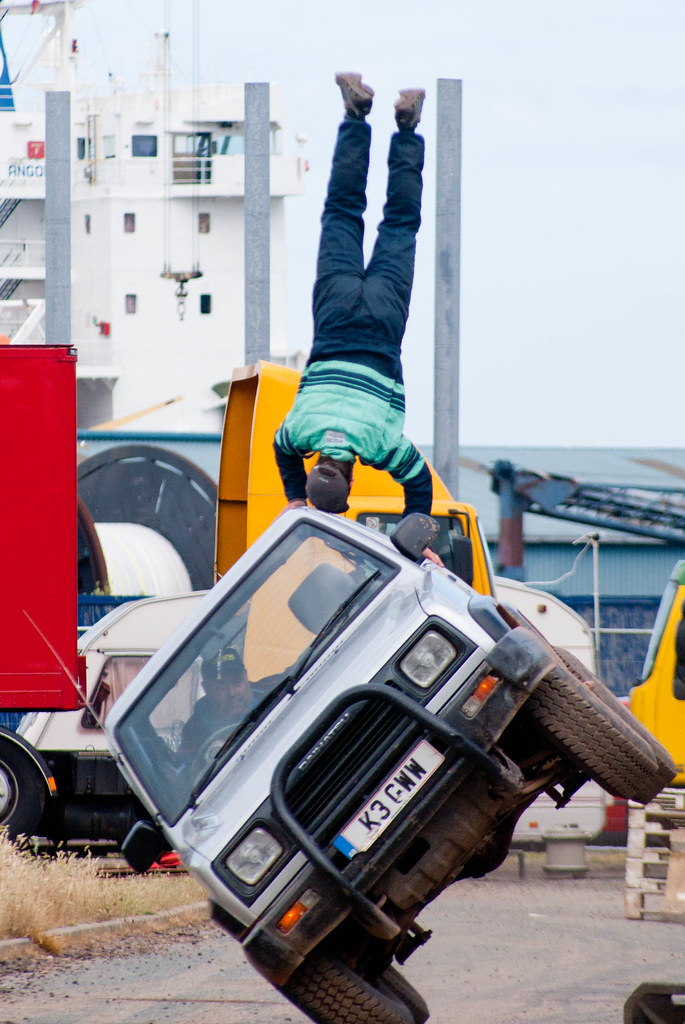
x=157 y=187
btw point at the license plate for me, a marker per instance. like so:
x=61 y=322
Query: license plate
x=397 y=790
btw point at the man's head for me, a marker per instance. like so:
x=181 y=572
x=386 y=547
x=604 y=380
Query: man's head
x=226 y=684
x=328 y=484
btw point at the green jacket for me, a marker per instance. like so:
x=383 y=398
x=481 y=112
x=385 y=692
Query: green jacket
x=345 y=410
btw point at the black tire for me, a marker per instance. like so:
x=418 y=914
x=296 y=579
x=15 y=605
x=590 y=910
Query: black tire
x=665 y=764
x=22 y=791
x=593 y=731
x=398 y=986
x=329 y=992
x=586 y=731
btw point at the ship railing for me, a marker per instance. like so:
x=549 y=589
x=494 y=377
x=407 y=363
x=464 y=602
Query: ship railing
x=141 y=172
x=186 y=170
x=10 y=325
x=191 y=170
x=97 y=352
x=222 y=175
x=23 y=320
x=22 y=253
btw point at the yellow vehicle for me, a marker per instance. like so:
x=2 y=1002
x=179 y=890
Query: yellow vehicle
x=251 y=493
x=659 y=700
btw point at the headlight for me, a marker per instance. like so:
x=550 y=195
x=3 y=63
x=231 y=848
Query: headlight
x=253 y=857
x=431 y=656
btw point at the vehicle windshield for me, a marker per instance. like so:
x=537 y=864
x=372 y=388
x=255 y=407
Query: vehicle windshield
x=228 y=673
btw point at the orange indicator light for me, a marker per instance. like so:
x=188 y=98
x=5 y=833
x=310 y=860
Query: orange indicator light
x=291 y=917
x=479 y=696
x=52 y=785
x=485 y=688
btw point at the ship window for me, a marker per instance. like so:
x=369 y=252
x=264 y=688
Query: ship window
x=205 y=303
x=108 y=143
x=86 y=221
x=131 y=303
x=144 y=145
x=129 y=223
x=203 y=223
x=229 y=143
x=193 y=145
x=80 y=148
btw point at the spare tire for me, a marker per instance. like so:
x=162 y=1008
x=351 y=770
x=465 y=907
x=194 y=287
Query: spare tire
x=594 y=732
x=665 y=763
x=577 y=724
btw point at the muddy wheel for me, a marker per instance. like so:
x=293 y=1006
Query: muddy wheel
x=664 y=761
x=594 y=738
x=398 y=986
x=22 y=792
x=593 y=731
x=329 y=992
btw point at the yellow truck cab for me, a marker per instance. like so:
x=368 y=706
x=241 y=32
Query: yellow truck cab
x=659 y=700
x=251 y=494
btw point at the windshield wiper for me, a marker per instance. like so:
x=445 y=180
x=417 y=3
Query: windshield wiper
x=210 y=771
x=286 y=685
x=220 y=758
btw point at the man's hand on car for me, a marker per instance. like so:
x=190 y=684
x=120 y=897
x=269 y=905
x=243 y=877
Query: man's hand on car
x=431 y=556
x=295 y=503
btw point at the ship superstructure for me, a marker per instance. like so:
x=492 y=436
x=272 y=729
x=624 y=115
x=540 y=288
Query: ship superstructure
x=156 y=234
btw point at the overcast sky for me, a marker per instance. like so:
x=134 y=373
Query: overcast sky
x=573 y=190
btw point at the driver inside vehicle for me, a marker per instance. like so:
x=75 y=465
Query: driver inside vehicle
x=227 y=699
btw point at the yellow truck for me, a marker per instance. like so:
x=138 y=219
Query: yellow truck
x=659 y=702
x=251 y=493
x=659 y=699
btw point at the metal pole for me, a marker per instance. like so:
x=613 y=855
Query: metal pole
x=57 y=218
x=594 y=538
x=257 y=223
x=447 y=278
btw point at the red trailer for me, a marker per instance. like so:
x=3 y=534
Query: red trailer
x=38 y=596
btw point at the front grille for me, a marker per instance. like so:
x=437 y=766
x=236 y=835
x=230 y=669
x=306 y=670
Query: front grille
x=347 y=765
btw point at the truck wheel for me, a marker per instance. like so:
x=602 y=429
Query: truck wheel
x=329 y=992
x=590 y=731
x=401 y=989
x=667 y=768
x=22 y=792
x=591 y=736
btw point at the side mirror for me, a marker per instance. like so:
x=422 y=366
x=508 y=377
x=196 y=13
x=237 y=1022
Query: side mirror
x=414 y=533
x=679 y=682
x=143 y=846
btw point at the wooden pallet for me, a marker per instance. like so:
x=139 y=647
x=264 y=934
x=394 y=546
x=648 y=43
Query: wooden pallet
x=648 y=851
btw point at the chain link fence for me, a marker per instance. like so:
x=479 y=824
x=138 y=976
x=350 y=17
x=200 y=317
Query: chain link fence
x=625 y=626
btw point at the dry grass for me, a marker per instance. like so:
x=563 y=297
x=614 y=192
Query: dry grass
x=40 y=893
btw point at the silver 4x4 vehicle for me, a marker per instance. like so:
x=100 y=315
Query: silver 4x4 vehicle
x=382 y=728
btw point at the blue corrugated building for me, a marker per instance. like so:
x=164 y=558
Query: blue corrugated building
x=628 y=572
x=628 y=565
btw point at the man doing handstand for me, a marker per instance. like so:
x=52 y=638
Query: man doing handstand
x=350 y=401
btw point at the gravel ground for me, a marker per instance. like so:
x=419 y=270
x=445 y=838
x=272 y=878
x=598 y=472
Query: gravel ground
x=505 y=950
